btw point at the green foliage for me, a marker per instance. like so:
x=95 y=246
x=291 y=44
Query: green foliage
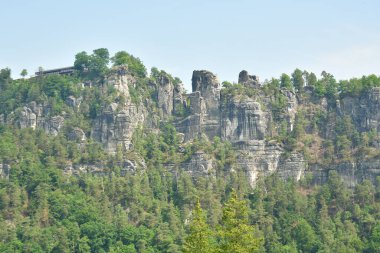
x=135 y=65
x=199 y=239
x=5 y=78
x=285 y=82
x=311 y=79
x=43 y=209
x=94 y=65
x=24 y=73
x=235 y=233
x=231 y=90
x=297 y=80
x=358 y=86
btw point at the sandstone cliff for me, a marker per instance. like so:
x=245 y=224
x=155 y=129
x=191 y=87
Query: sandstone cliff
x=256 y=120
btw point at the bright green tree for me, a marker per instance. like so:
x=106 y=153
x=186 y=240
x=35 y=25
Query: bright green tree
x=311 y=79
x=94 y=65
x=5 y=77
x=297 y=79
x=199 y=239
x=24 y=73
x=285 y=82
x=135 y=65
x=236 y=235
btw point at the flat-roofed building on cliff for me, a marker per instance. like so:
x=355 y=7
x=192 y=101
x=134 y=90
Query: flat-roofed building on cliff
x=60 y=71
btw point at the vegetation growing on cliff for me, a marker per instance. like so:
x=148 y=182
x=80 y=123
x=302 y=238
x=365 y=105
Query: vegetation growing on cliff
x=158 y=206
x=43 y=210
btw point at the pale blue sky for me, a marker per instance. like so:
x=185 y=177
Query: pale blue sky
x=266 y=38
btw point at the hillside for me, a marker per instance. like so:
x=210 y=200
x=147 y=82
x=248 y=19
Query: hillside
x=111 y=159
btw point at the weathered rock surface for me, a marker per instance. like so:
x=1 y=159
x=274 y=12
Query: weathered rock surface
x=127 y=166
x=119 y=79
x=5 y=170
x=27 y=118
x=291 y=109
x=114 y=127
x=204 y=103
x=37 y=116
x=365 y=110
x=165 y=94
x=73 y=102
x=199 y=165
x=351 y=173
x=243 y=120
x=76 y=134
x=249 y=80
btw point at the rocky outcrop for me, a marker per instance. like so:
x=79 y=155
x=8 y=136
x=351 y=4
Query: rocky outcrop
x=248 y=80
x=53 y=125
x=27 y=118
x=365 y=110
x=120 y=80
x=351 y=173
x=179 y=103
x=165 y=94
x=5 y=170
x=291 y=108
x=37 y=116
x=76 y=134
x=203 y=105
x=199 y=165
x=73 y=102
x=257 y=159
x=245 y=115
x=114 y=127
x=243 y=120
x=126 y=167
x=292 y=166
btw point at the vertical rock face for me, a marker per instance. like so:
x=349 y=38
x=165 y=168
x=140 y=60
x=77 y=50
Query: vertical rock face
x=209 y=87
x=373 y=114
x=114 y=128
x=178 y=99
x=165 y=93
x=364 y=110
x=248 y=80
x=203 y=105
x=257 y=159
x=199 y=165
x=27 y=118
x=243 y=120
x=351 y=173
x=244 y=115
x=38 y=116
x=292 y=166
x=240 y=120
x=53 y=125
x=77 y=134
x=191 y=126
x=120 y=80
x=291 y=109
x=73 y=102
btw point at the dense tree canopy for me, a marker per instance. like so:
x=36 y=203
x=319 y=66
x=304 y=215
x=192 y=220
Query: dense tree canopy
x=160 y=207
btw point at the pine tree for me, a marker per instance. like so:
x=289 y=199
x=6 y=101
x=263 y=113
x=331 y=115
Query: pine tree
x=236 y=235
x=199 y=239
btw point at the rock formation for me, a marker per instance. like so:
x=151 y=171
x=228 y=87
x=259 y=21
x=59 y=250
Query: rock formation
x=114 y=128
x=4 y=170
x=248 y=80
x=247 y=121
x=165 y=94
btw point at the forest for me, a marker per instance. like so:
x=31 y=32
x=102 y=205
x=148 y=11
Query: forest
x=161 y=208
